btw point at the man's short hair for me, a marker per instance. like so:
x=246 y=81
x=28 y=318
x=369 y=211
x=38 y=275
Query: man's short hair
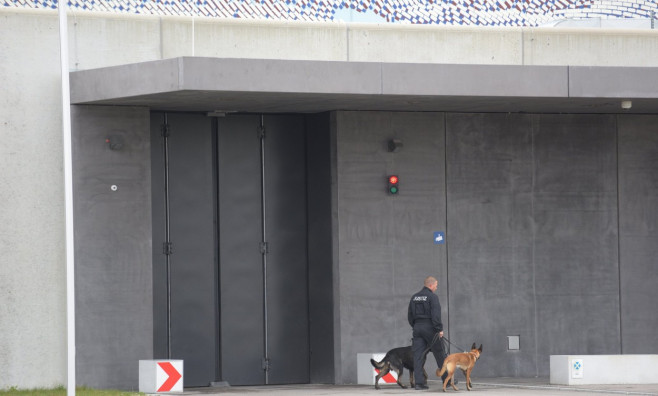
x=430 y=280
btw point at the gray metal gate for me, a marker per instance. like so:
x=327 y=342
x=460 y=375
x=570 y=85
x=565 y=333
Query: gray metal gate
x=238 y=294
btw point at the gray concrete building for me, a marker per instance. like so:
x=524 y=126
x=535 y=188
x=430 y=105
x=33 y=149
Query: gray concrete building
x=217 y=149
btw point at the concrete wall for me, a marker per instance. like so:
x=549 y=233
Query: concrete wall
x=113 y=276
x=490 y=219
x=99 y=39
x=533 y=220
x=32 y=235
x=172 y=37
x=32 y=267
x=532 y=209
x=385 y=242
x=638 y=228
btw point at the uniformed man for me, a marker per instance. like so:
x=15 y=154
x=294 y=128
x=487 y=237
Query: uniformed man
x=425 y=318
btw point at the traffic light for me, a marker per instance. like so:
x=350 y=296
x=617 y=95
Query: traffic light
x=393 y=184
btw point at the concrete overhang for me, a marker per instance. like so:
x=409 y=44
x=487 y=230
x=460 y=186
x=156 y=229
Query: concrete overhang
x=274 y=86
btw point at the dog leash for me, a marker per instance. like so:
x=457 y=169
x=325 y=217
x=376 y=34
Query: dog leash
x=436 y=337
x=456 y=346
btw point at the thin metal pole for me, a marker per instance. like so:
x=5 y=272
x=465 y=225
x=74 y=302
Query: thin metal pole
x=447 y=245
x=68 y=197
x=264 y=249
x=167 y=247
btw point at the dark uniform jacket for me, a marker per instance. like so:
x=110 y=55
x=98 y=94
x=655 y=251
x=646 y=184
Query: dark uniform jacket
x=424 y=308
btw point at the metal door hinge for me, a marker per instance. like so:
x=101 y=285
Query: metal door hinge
x=164 y=130
x=264 y=248
x=266 y=364
x=167 y=248
x=261 y=132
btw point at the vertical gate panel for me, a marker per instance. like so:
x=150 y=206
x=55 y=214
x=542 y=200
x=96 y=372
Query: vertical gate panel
x=158 y=225
x=241 y=280
x=193 y=262
x=233 y=199
x=285 y=202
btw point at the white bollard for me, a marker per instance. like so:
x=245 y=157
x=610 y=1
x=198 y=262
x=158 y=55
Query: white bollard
x=603 y=369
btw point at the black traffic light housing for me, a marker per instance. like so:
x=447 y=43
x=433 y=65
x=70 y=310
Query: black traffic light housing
x=393 y=184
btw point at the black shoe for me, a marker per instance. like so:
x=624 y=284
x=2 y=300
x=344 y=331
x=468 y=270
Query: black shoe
x=421 y=387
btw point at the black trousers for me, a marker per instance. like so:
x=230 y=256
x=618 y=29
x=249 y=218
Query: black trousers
x=423 y=334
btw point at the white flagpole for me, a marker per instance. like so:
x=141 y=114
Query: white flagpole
x=68 y=195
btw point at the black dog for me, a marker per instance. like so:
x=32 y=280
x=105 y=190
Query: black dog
x=397 y=359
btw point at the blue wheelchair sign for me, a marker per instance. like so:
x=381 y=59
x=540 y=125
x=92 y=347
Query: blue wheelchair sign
x=439 y=237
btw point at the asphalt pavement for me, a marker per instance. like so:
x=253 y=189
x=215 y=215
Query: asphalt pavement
x=484 y=386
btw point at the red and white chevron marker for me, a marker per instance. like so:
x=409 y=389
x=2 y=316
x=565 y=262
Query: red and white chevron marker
x=366 y=373
x=160 y=376
x=170 y=379
x=389 y=378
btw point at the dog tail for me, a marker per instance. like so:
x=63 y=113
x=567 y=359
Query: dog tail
x=375 y=364
x=439 y=372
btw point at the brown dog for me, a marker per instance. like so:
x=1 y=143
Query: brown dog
x=465 y=361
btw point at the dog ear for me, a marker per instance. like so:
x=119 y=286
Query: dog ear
x=473 y=347
x=480 y=348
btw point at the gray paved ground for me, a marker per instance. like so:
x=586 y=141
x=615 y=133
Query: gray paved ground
x=487 y=386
